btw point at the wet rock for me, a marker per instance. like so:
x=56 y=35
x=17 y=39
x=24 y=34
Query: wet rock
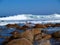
x=30 y=25
x=39 y=26
x=28 y=35
x=11 y=25
x=56 y=34
x=24 y=27
x=49 y=25
x=57 y=25
x=15 y=34
x=0 y=30
x=44 y=42
x=19 y=28
x=57 y=39
x=7 y=39
x=21 y=41
x=0 y=36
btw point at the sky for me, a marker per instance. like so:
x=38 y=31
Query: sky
x=36 y=7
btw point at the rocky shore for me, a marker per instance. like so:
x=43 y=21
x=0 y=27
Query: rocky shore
x=27 y=34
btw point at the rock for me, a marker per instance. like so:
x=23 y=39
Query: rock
x=28 y=35
x=24 y=27
x=19 y=28
x=42 y=36
x=45 y=42
x=49 y=25
x=15 y=34
x=46 y=37
x=57 y=25
x=0 y=36
x=11 y=25
x=30 y=25
x=58 y=39
x=1 y=30
x=39 y=26
x=36 y=31
x=56 y=34
x=7 y=39
x=37 y=37
x=21 y=41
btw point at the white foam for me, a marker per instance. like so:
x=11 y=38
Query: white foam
x=31 y=17
x=53 y=18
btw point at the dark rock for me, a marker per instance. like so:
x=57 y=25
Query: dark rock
x=16 y=34
x=24 y=27
x=11 y=25
x=49 y=25
x=56 y=34
x=47 y=37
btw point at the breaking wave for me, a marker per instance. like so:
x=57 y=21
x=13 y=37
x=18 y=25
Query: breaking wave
x=53 y=18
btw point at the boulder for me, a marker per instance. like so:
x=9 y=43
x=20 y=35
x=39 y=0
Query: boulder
x=56 y=34
x=21 y=41
x=47 y=37
x=39 y=26
x=36 y=31
x=11 y=25
x=37 y=37
x=16 y=34
x=19 y=28
x=42 y=36
x=24 y=27
x=44 y=42
x=0 y=36
x=49 y=25
x=57 y=25
x=30 y=25
x=28 y=35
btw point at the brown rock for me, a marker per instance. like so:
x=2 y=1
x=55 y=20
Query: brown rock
x=28 y=35
x=19 y=28
x=36 y=31
x=49 y=25
x=42 y=36
x=56 y=34
x=57 y=25
x=21 y=41
x=24 y=27
x=39 y=26
x=11 y=25
x=38 y=37
x=0 y=36
x=16 y=34
x=46 y=37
